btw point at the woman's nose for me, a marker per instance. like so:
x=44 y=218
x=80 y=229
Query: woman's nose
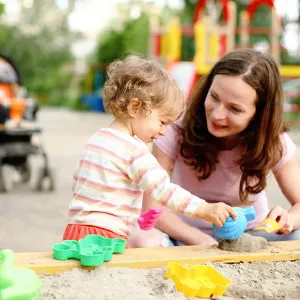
x=219 y=113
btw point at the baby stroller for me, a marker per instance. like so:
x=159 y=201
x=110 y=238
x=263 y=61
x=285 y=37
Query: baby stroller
x=20 y=134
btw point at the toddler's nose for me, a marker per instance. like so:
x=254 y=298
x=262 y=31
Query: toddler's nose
x=162 y=131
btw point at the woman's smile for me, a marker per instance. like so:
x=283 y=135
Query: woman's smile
x=217 y=126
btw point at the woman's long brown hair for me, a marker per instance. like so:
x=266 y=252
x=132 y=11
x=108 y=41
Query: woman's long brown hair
x=260 y=143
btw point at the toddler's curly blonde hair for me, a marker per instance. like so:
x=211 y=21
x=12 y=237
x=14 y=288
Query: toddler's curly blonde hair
x=135 y=77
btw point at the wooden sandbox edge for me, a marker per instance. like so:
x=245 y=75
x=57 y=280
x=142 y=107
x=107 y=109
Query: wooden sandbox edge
x=144 y=258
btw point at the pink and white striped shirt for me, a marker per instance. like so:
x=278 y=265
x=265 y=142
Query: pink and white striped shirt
x=113 y=172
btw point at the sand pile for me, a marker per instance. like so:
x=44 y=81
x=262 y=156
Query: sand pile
x=259 y=281
x=246 y=243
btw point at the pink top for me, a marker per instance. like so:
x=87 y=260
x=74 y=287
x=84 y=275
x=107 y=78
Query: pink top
x=223 y=183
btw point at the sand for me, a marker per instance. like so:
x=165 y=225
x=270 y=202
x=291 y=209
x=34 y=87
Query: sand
x=246 y=243
x=259 y=281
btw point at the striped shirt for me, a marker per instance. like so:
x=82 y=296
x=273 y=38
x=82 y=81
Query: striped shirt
x=113 y=172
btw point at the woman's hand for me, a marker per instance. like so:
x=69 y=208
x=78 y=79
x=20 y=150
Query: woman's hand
x=282 y=216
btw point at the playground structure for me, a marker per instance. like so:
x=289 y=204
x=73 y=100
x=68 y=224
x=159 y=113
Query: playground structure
x=213 y=37
x=217 y=29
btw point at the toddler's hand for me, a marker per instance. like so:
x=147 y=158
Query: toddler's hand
x=148 y=219
x=216 y=213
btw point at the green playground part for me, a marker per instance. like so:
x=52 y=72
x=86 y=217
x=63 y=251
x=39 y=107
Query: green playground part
x=93 y=250
x=17 y=283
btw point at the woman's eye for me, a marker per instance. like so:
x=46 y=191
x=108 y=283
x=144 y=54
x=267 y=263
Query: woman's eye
x=162 y=122
x=236 y=110
x=214 y=98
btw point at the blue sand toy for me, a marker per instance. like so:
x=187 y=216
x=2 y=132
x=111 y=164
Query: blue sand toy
x=233 y=229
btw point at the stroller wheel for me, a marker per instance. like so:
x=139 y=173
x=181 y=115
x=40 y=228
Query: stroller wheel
x=36 y=178
x=24 y=171
x=43 y=180
x=48 y=182
x=6 y=178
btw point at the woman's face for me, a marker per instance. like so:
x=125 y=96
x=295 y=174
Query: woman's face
x=230 y=105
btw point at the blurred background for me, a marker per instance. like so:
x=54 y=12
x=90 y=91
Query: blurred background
x=53 y=56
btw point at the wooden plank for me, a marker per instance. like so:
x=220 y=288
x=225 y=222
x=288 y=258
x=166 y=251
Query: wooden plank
x=144 y=258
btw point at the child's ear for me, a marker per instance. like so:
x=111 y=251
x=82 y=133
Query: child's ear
x=134 y=107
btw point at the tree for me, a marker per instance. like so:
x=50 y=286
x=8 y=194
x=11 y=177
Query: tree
x=2 y=6
x=132 y=38
x=41 y=49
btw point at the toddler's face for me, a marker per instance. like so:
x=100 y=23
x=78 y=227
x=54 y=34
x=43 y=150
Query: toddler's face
x=150 y=127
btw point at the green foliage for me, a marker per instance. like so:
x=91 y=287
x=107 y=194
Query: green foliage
x=41 y=52
x=288 y=59
x=187 y=13
x=262 y=18
x=109 y=48
x=40 y=61
x=133 y=38
x=2 y=7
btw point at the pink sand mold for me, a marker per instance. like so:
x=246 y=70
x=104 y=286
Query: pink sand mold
x=148 y=219
x=93 y=250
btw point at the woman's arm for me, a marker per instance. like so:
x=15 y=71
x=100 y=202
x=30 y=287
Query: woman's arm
x=169 y=222
x=288 y=178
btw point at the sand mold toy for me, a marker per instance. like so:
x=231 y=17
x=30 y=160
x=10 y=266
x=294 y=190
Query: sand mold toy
x=268 y=225
x=233 y=229
x=148 y=219
x=93 y=250
x=17 y=283
x=197 y=281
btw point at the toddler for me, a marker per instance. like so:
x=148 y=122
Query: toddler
x=116 y=166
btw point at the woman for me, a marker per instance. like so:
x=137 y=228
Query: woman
x=222 y=150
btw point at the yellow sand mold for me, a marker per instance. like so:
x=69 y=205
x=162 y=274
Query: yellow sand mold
x=197 y=281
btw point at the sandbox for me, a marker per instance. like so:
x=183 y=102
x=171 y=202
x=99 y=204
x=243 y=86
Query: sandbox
x=272 y=273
